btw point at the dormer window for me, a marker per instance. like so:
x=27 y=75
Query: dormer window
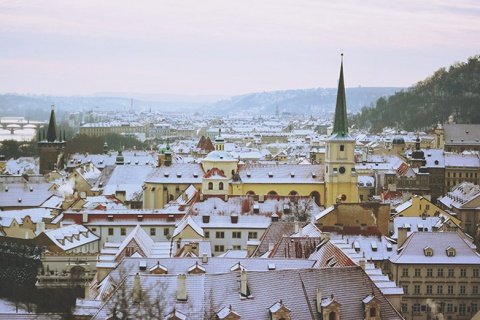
x=428 y=251
x=110 y=217
x=374 y=246
x=314 y=175
x=179 y=175
x=270 y=174
x=292 y=174
x=249 y=174
x=451 y=252
x=166 y=174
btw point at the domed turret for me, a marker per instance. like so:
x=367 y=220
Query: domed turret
x=120 y=160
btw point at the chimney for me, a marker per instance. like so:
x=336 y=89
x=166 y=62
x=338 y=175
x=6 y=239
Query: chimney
x=85 y=217
x=296 y=227
x=204 y=258
x=319 y=300
x=402 y=236
x=137 y=289
x=243 y=283
x=361 y=262
x=40 y=227
x=300 y=231
x=271 y=246
x=182 y=287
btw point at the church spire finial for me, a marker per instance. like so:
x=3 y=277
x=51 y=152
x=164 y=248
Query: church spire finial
x=340 y=124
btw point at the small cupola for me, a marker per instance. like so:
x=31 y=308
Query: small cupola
x=279 y=311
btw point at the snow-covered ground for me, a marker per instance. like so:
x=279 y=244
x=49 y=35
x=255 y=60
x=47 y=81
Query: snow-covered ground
x=7 y=306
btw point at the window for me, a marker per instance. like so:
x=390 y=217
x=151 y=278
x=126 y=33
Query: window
x=450 y=289
x=166 y=231
x=451 y=273
x=94 y=229
x=153 y=231
x=220 y=186
x=219 y=248
x=404 y=307
x=207 y=234
x=220 y=235
x=439 y=289
x=237 y=235
x=450 y=307
x=429 y=272
x=418 y=272
x=416 y=308
x=123 y=231
x=474 y=308
x=237 y=247
x=416 y=289
x=110 y=231
x=462 y=289
x=210 y=186
x=439 y=272
x=252 y=235
x=405 y=272
x=429 y=289
x=463 y=273
x=427 y=206
x=373 y=312
x=462 y=308
x=475 y=289
x=342 y=147
x=475 y=273
x=405 y=288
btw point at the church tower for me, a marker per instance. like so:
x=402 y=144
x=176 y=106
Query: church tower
x=51 y=147
x=340 y=176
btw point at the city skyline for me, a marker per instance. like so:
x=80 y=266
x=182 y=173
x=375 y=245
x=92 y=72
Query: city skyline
x=228 y=48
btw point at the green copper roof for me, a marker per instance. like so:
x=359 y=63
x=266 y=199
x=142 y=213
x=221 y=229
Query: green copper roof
x=340 y=123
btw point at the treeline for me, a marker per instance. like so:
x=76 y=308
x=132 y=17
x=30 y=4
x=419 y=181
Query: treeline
x=94 y=145
x=19 y=266
x=452 y=94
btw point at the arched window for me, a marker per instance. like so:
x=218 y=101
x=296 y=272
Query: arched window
x=316 y=197
x=373 y=312
x=272 y=193
x=250 y=193
x=332 y=316
x=293 y=193
x=170 y=197
x=210 y=186
x=220 y=186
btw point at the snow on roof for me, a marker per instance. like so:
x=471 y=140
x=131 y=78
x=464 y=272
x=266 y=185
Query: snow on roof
x=35 y=214
x=462 y=160
x=184 y=223
x=324 y=212
x=191 y=173
x=126 y=178
x=71 y=236
x=143 y=240
x=281 y=173
x=412 y=251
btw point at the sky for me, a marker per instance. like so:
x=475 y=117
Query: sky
x=228 y=47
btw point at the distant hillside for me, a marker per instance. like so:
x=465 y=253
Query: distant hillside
x=37 y=107
x=453 y=92
x=319 y=101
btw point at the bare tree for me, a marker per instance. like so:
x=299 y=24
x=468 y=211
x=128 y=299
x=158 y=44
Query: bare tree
x=300 y=209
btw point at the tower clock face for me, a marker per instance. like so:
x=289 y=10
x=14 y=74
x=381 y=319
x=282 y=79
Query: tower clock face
x=341 y=170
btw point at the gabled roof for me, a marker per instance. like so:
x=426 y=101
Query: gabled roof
x=412 y=251
x=70 y=237
x=185 y=223
x=141 y=238
x=215 y=173
x=296 y=289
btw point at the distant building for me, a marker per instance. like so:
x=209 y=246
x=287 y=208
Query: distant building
x=51 y=147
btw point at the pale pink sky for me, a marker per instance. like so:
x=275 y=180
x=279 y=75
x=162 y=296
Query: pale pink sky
x=228 y=47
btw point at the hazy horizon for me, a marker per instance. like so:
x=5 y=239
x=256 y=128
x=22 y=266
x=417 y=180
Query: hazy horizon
x=218 y=48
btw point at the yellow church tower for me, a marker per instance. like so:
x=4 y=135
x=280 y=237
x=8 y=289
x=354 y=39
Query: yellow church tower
x=340 y=176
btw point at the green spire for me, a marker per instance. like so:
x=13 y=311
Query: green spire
x=340 y=123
